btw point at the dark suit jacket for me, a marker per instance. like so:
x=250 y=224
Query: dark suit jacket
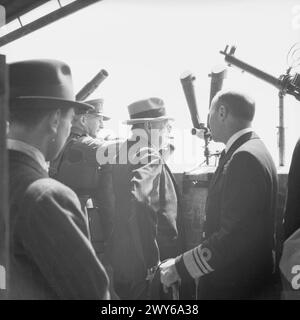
x=50 y=255
x=143 y=200
x=239 y=228
x=292 y=210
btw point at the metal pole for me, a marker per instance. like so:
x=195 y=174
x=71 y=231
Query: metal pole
x=281 y=130
x=4 y=214
x=45 y=20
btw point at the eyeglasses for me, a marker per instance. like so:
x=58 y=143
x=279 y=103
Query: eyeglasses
x=161 y=126
x=169 y=127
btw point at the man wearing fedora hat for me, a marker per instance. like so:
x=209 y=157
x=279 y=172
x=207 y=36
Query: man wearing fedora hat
x=141 y=192
x=50 y=254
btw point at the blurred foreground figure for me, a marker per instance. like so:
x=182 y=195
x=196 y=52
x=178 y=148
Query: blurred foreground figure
x=142 y=196
x=50 y=254
x=292 y=208
x=290 y=260
x=235 y=261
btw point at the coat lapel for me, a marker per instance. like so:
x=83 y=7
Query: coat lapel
x=239 y=142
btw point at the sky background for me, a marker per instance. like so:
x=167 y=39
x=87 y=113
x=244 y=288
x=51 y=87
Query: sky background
x=146 y=45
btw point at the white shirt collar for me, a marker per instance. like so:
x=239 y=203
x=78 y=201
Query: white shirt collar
x=235 y=136
x=31 y=151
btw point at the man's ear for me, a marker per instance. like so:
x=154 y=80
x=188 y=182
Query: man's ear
x=54 y=120
x=83 y=120
x=222 y=111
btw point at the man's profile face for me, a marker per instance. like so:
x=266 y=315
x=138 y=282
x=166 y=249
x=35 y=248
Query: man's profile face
x=94 y=124
x=160 y=132
x=215 y=123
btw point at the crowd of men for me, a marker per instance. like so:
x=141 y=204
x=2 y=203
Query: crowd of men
x=86 y=228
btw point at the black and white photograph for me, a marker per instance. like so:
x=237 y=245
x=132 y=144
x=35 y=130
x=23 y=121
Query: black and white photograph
x=149 y=151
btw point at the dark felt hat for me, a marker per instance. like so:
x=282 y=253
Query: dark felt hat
x=47 y=83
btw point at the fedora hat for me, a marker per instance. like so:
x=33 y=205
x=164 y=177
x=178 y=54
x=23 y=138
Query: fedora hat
x=151 y=109
x=98 y=108
x=46 y=83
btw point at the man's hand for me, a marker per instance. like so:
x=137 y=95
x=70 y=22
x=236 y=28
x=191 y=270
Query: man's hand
x=168 y=274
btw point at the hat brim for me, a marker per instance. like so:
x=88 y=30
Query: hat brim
x=141 y=120
x=50 y=102
x=105 y=118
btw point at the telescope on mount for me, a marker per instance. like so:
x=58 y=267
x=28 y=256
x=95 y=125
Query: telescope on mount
x=287 y=83
x=91 y=86
x=217 y=75
x=187 y=80
x=200 y=129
